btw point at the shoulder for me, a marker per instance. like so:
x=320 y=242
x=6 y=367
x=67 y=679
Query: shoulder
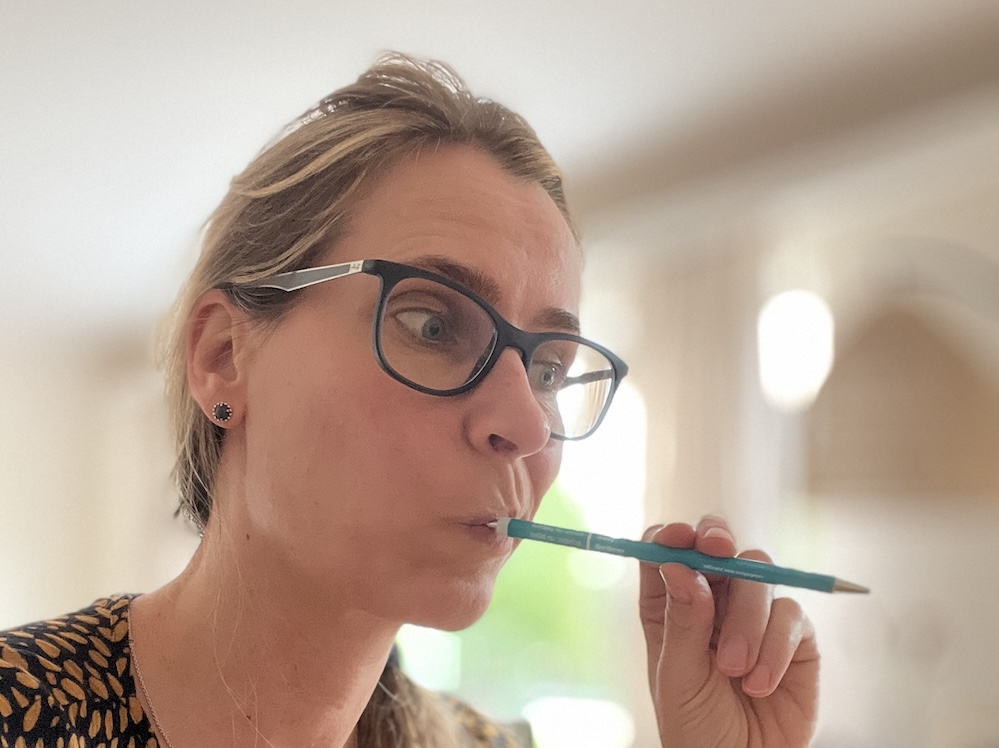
x=65 y=673
x=481 y=731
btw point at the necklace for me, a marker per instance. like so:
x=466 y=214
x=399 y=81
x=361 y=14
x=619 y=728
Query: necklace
x=153 y=719
x=142 y=688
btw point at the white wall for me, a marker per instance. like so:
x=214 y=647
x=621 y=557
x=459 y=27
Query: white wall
x=907 y=206
x=84 y=475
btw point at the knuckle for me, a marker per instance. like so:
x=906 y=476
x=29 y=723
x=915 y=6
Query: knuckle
x=711 y=520
x=651 y=532
x=788 y=608
x=756 y=554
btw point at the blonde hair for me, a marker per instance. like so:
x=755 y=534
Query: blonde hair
x=291 y=205
x=401 y=714
x=293 y=202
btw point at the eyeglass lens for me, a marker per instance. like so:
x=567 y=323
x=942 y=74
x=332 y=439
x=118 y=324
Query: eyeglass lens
x=440 y=339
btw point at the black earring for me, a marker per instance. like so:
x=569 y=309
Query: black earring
x=222 y=412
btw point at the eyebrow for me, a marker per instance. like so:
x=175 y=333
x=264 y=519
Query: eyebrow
x=482 y=285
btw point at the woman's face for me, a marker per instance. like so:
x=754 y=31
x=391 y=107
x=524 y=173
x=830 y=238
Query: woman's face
x=366 y=492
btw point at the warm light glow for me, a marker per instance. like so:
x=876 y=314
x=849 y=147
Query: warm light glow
x=795 y=338
x=430 y=657
x=604 y=475
x=570 y=723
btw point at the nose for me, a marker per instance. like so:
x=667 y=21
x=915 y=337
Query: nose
x=504 y=416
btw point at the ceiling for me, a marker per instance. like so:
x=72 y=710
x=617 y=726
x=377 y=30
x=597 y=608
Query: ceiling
x=122 y=122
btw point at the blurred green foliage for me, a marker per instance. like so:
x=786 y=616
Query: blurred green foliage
x=544 y=634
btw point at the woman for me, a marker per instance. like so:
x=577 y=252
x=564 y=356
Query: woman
x=345 y=435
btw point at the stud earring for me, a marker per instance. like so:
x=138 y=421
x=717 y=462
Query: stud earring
x=222 y=412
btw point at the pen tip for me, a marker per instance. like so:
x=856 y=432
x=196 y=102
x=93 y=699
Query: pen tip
x=491 y=524
x=843 y=586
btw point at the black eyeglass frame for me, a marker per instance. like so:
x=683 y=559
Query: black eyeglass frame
x=508 y=335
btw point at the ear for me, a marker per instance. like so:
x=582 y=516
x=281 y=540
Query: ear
x=217 y=345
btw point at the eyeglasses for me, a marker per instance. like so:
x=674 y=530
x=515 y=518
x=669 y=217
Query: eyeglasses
x=436 y=336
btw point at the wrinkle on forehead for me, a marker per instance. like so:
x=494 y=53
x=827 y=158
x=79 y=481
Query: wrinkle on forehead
x=507 y=207
x=482 y=285
x=460 y=204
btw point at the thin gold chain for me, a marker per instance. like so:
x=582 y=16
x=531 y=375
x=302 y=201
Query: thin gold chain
x=154 y=720
x=142 y=687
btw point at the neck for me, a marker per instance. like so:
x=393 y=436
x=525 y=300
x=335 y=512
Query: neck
x=232 y=654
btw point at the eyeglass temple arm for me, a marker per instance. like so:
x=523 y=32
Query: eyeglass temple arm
x=590 y=376
x=296 y=279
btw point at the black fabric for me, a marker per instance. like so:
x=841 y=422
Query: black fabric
x=67 y=682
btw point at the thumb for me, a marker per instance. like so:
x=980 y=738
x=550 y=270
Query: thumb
x=685 y=661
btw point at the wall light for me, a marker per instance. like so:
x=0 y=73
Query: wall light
x=562 y=722
x=795 y=342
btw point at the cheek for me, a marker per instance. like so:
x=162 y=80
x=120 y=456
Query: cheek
x=299 y=398
x=313 y=379
x=544 y=467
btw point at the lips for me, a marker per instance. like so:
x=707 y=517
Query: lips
x=489 y=520
x=480 y=521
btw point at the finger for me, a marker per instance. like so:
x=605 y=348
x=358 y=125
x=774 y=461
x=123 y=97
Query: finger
x=655 y=601
x=745 y=619
x=675 y=534
x=686 y=658
x=789 y=636
x=714 y=537
x=652 y=607
x=652 y=590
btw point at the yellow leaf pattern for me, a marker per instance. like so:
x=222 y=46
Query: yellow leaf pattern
x=66 y=682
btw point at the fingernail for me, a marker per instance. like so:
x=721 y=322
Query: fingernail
x=680 y=595
x=757 y=683
x=717 y=532
x=734 y=654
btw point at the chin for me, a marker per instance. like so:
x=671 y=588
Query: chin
x=456 y=607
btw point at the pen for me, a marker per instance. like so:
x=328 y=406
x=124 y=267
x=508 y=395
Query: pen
x=653 y=553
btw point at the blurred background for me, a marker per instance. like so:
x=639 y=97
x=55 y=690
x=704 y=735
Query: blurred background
x=791 y=222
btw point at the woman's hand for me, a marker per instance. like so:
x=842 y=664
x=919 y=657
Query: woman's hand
x=729 y=665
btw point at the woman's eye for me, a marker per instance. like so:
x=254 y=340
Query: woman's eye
x=548 y=375
x=425 y=324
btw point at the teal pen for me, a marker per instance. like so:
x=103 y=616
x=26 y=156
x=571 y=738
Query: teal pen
x=653 y=553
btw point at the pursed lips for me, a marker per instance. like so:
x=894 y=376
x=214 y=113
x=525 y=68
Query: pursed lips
x=487 y=520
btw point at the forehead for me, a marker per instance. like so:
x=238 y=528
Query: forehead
x=459 y=203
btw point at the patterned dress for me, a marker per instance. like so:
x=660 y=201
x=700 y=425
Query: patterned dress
x=67 y=683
